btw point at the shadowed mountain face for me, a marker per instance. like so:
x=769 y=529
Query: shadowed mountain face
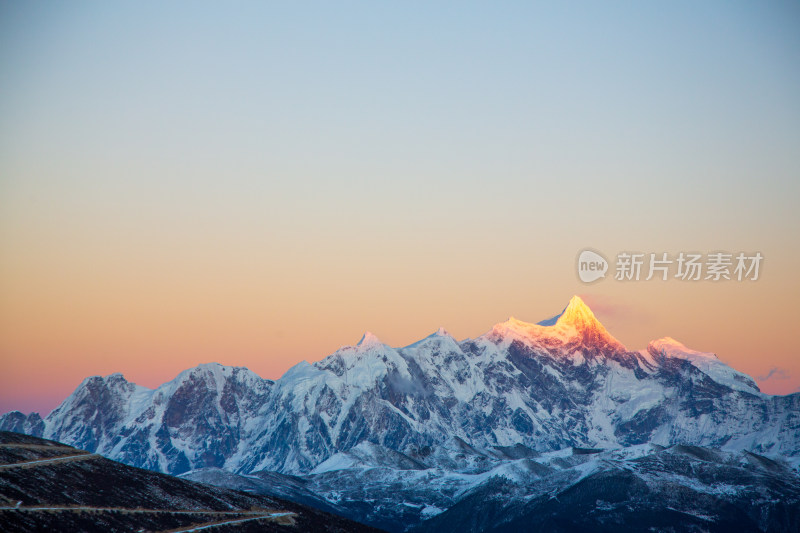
x=47 y=486
x=449 y=409
x=681 y=488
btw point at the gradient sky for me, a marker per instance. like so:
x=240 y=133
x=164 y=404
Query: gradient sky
x=258 y=183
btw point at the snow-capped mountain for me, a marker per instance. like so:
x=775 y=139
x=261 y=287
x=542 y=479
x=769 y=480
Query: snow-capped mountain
x=639 y=489
x=436 y=404
x=560 y=383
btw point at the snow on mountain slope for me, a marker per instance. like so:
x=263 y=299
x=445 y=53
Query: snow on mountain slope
x=198 y=417
x=91 y=415
x=561 y=383
x=574 y=327
x=679 y=488
x=708 y=363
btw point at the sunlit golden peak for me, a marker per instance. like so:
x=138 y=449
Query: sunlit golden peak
x=578 y=315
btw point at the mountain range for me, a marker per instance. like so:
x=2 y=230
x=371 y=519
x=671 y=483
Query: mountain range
x=403 y=437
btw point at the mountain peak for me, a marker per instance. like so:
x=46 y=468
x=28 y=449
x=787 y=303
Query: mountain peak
x=575 y=321
x=672 y=348
x=369 y=340
x=578 y=315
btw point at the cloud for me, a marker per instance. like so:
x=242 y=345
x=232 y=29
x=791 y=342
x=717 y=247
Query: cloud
x=774 y=373
x=610 y=309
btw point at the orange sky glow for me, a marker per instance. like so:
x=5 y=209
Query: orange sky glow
x=183 y=184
